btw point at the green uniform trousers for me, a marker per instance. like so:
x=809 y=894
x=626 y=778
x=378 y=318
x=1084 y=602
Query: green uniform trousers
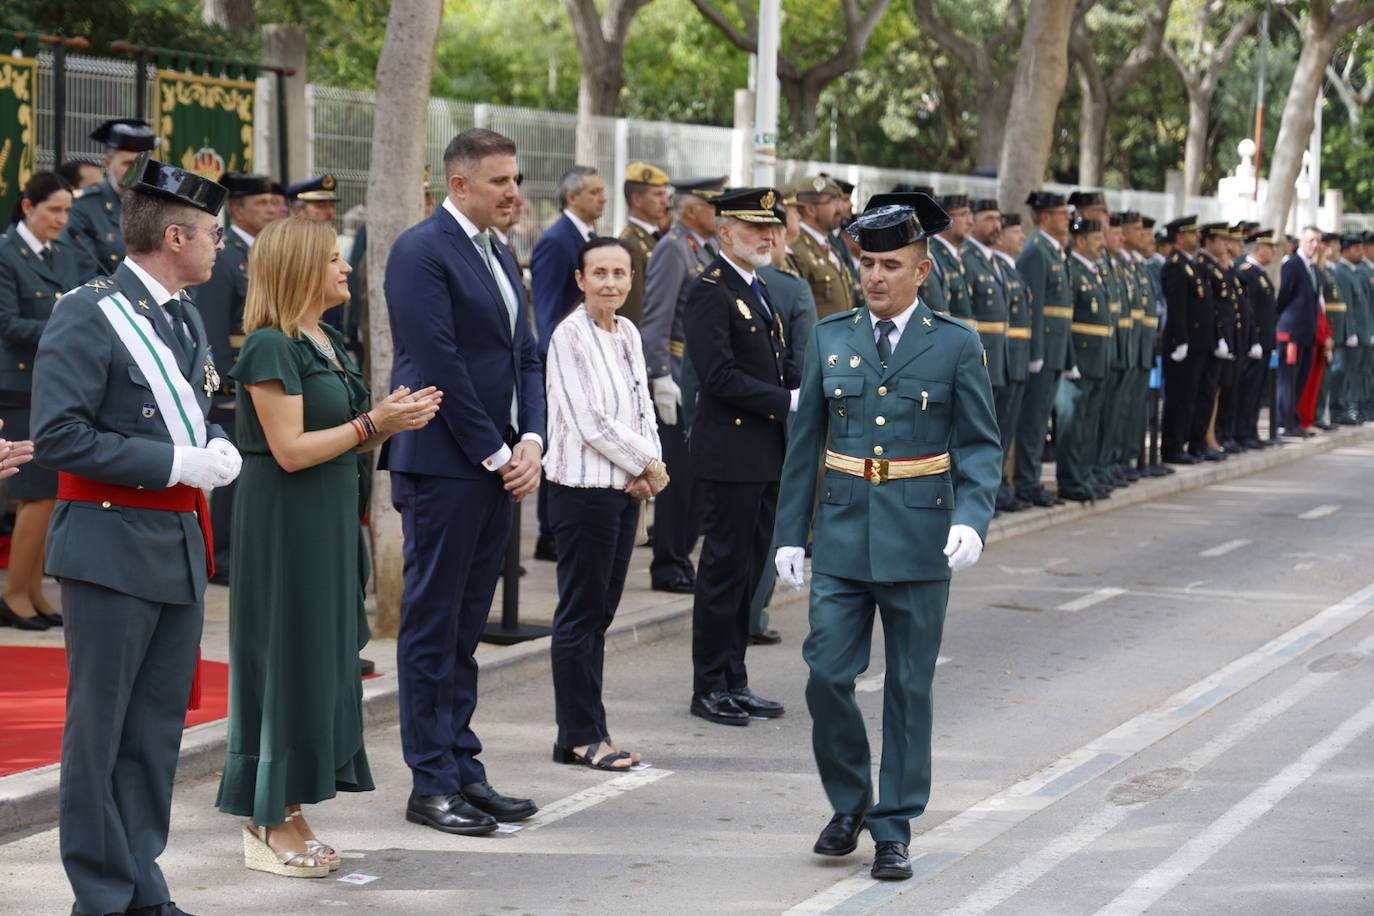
x=1008 y=400
x=1032 y=426
x=1113 y=419
x=837 y=651
x=1078 y=425
x=1135 y=411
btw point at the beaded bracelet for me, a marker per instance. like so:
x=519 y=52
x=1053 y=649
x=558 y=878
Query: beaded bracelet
x=366 y=420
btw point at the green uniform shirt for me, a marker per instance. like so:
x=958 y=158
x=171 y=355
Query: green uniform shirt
x=955 y=277
x=94 y=225
x=1093 y=325
x=1044 y=269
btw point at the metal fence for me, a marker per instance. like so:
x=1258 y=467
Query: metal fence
x=98 y=88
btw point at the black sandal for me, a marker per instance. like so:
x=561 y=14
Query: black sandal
x=563 y=754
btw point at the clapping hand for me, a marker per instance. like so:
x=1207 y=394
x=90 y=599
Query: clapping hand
x=404 y=409
x=13 y=454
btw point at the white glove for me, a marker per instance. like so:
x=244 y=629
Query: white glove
x=204 y=468
x=1222 y=351
x=1180 y=353
x=1073 y=374
x=226 y=448
x=667 y=398
x=791 y=562
x=963 y=548
x=1256 y=351
x=796 y=396
x=1036 y=365
x=1352 y=341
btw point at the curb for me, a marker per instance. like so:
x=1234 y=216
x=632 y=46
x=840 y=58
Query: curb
x=30 y=799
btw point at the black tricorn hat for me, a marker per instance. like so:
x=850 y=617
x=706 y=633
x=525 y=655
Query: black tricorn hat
x=906 y=188
x=1127 y=217
x=1081 y=199
x=242 y=184
x=1351 y=239
x=148 y=176
x=982 y=204
x=845 y=186
x=893 y=221
x=953 y=202
x=1011 y=219
x=1147 y=221
x=128 y=134
x=278 y=189
x=1044 y=200
x=1084 y=226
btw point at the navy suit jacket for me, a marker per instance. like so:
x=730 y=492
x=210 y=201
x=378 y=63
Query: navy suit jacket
x=1297 y=301
x=450 y=328
x=551 y=274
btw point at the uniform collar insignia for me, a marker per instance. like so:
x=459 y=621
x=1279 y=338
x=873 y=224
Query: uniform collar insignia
x=925 y=320
x=143 y=304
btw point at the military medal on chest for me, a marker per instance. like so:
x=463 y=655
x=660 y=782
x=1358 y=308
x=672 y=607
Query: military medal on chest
x=211 y=374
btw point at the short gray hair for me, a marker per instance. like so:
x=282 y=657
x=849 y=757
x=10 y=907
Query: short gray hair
x=572 y=182
x=144 y=219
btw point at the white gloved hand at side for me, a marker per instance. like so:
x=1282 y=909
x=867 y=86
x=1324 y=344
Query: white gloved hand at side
x=667 y=398
x=203 y=468
x=226 y=448
x=1256 y=351
x=963 y=548
x=791 y=564
x=1222 y=351
x=1073 y=374
x=1035 y=366
x=795 y=394
x=1352 y=341
x=1180 y=353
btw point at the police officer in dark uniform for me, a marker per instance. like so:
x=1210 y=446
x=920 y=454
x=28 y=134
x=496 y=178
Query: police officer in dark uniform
x=739 y=436
x=94 y=222
x=1010 y=398
x=1220 y=340
x=1263 y=304
x=1189 y=336
x=314 y=197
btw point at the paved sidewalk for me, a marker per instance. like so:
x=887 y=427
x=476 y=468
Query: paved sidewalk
x=29 y=799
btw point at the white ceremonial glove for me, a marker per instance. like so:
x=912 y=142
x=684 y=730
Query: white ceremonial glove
x=1352 y=341
x=791 y=564
x=667 y=398
x=1035 y=366
x=1256 y=351
x=796 y=396
x=963 y=548
x=1222 y=351
x=1180 y=353
x=1073 y=374
x=203 y=468
x=226 y=448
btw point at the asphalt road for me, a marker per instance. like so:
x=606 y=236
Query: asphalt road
x=1164 y=709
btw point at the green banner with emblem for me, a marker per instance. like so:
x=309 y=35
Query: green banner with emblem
x=18 y=128
x=206 y=123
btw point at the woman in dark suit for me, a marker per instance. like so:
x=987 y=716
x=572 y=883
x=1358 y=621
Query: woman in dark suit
x=36 y=267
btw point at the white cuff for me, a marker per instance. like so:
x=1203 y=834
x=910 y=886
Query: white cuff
x=176 y=467
x=535 y=437
x=498 y=459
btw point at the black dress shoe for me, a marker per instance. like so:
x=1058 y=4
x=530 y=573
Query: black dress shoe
x=755 y=705
x=448 y=814
x=1213 y=455
x=1324 y=427
x=890 y=862
x=1133 y=474
x=502 y=807
x=1079 y=496
x=1041 y=497
x=8 y=618
x=718 y=707
x=1102 y=493
x=1178 y=458
x=1008 y=504
x=841 y=836
x=682 y=585
x=366 y=667
x=54 y=619
x=545 y=550
x=162 y=909
x=766 y=638
x=1159 y=470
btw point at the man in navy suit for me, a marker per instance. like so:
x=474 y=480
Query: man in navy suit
x=1298 y=307
x=454 y=301
x=582 y=192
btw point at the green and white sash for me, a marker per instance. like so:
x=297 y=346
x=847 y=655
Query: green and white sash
x=175 y=398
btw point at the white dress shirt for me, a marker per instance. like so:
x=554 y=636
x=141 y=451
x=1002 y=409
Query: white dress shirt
x=247 y=239
x=900 y=320
x=578 y=224
x=30 y=239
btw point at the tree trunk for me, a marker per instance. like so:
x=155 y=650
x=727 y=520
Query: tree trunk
x=597 y=97
x=1092 y=127
x=231 y=15
x=1195 y=150
x=992 y=125
x=394 y=203
x=1295 y=128
x=1040 y=77
x=601 y=51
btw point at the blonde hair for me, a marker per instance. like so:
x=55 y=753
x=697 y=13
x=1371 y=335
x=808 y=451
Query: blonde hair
x=286 y=267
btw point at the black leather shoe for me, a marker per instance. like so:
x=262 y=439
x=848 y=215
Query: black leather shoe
x=841 y=836
x=718 y=707
x=1102 y=493
x=8 y=618
x=448 y=814
x=54 y=619
x=1324 y=427
x=366 y=667
x=1132 y=474
x=1160 y=470
x=1079 y=497
x=1213 y=455
x=162 y=909
x=1178 y=458
x=544 y=549
x=682 y=585
x=755 y=705
x=502 y=807
x=1009 y=504
x=766 y=638
x=1041 y=497
x=890 y=862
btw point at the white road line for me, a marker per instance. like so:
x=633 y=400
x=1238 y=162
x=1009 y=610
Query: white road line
x=872 y=683
x=595 y=795
x=1088 y=600
x=980 y=824
x=1319 y=512
x=1222 y=550
x=1149 y=888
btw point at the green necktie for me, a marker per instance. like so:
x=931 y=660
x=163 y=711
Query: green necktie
x=177 y=314
x=885 y=327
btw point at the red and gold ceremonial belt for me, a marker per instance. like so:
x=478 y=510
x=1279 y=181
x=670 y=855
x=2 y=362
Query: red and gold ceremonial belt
x=877 y=470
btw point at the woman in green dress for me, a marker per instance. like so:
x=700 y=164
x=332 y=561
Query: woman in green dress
x=300 y=563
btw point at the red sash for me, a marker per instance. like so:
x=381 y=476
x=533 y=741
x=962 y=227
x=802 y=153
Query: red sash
x=179 y=498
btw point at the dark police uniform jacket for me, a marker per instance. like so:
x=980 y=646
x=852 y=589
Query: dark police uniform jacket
x=220 y=301
x=94 y=225
x=1043 y=267
x=29 y=288
x=1189 y=319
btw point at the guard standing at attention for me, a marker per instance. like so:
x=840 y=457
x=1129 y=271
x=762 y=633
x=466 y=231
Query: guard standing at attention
x=895 y=401
x=94 y=223
x=646 y=194
x=819 y=261
x=945 y=253
x=1189 y=336
x=1010 y=398
x=1259 y=289
x=1078 y=405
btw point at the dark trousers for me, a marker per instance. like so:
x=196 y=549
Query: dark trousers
x=1254 y=379
x=129 y=668
x=455 y=541
x=1135 y=409
x=1292 y=380
x=1008 y=399
x=677 y=512
x=1232 y=400
x=1032 y=427
x=1203 y=401
x=1078 y=433
x=1109 y=430
x=594 y=529
x=737 y=527
x=1181 y=380
x=222 y=498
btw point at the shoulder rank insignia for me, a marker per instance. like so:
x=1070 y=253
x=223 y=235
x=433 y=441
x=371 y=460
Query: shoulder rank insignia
x=743 y=309
x=716 y=272
x=708 y=279
x=1189 y=268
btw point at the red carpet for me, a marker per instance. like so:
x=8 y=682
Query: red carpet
x=33 y=688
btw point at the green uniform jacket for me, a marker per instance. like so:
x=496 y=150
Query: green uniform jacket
x=1356 y=305
x=1131 y=325
x=988 y=302
x=1147 y=325
x=1336 y=297
x=933 y=397
x=1119 y=353
x=829 y=284
x=641 y=244
x=1366 y=271
x=1043 y=268
x=94 y=225
x=954 y=274
x=1093 y=325
x=89 y=419
x=933 y=290
x=1018 y=320
x=220 y=303
x=29 y=288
